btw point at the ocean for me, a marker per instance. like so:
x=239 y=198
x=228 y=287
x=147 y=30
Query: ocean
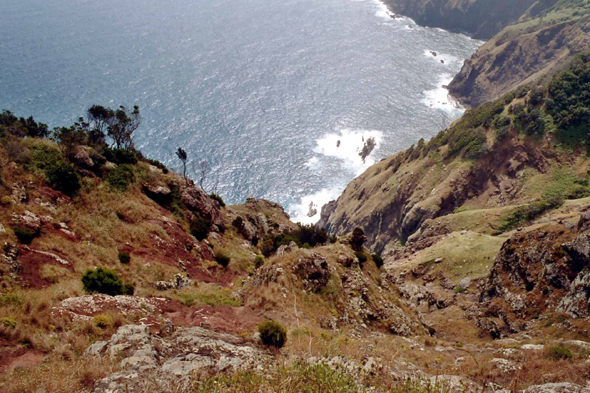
x=278 y=96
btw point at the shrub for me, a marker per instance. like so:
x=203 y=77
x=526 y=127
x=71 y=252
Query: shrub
x=200 y=228
x=267 y=247
x=157 y=164
x=105 y=281
x=120 y=156
x=124 y=257
x=528 y=213
x=358 y=239
x=121 y=177
x=63 y=177
x=218 y=199
x=559 y=353
x=361 y=256
x=103 y=321
x=222 y=259
x=9 y=323
x=272 y=334
x=258 y=261
x=127 y=289
x=459 y=289
x=24 y=235
x=6 y=200
x=378 y=260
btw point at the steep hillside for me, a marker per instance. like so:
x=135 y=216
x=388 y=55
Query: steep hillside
x=543 y=41
x=120 y=276
x=525 y=148
x=480 y=18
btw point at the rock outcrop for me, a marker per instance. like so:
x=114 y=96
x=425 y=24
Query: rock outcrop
x=149 y=361
x=539 y=270
x=480 y=18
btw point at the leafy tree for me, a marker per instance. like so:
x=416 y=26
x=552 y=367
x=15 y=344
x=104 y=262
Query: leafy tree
x=122 y=126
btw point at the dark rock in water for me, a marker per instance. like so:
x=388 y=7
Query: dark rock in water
x=368 y=148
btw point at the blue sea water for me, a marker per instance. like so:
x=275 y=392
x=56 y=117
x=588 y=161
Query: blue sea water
x=264 y=90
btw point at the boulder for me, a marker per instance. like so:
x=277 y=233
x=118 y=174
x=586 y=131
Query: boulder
x=81 y=157
x=313 y=269
x=198 y=202
x=557 y=388
x=584 y=222
x=150 y=362
x=179 y=281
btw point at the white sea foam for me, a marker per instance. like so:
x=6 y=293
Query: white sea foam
x=300 y=212
x=346 y=146
x=446 y=58
x=439 y=98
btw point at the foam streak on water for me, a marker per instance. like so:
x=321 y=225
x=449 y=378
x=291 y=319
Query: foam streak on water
x=262 y=89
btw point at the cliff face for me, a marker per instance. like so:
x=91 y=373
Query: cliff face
x=505 y=153
x=480 y=18
x=527 y=39
x=520 y=54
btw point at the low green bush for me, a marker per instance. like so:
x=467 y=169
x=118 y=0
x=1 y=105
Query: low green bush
x=378 y=260
x=124 y=258
x=121 y=177
x=24 y=235
x=200 y=228
x=63 y=177
x=222 y=259
x=258 y=261
x=528 y=213
x=272 y=334
x=9 y=323
x=361 y=256
x=120 y=156
x=103 y=321
x=218 y=198
x=559 y=353
x=105 y=281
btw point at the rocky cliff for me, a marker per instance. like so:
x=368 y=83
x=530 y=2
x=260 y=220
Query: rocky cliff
x=528 y=40
x=495 y=156
x=481 y=19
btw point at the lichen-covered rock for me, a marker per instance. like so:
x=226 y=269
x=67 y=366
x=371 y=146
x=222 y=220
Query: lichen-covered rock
x=577 y=301
x=557 y=388
x=28 y=220
x=198 y=202
x=284 y=249
x=179 y=281
x=188 y=351
x=314 y=271
x=540 y=270
x=584 y=222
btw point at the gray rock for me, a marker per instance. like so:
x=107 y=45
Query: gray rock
x=171 y=360
x=314 y=270
x=465 y=283
x=584 y=222
x=532 y=347
x=557 y=388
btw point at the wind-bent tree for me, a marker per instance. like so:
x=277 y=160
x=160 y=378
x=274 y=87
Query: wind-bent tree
x=122 y=127
x=118 y=124
x=181 y=154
